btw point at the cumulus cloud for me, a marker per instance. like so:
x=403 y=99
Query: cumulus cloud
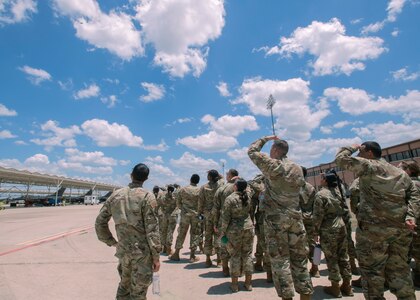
x=6 y=134
x=295 y=116
x=180 y=31
x=357 y=102
x=338 y=125
x=394 y=9
x=162 y=146
x=16 y=11
x=210 y=142
x=91 y=91
x=110 y=135
x=57 y=136
x=94 y=157
x=222 y=87
x=195 y=163
x=110 y=101
x=114 y=31
x=36 y=76
x=242 y=163
x=6 y=112
x=83 y=168
x=36 y=163
x=154 y=92
x=404 y=75
x=230 y=125
x=334 y=51
x=157 y=159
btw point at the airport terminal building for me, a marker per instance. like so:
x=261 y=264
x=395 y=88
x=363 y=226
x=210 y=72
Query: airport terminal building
x=393 y=154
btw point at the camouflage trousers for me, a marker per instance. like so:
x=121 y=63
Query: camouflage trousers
x=188 y=221
x=168 y=228
x=136 y=276
x=334 y=245
x=310 y=237
x=351 y=249
x=415 y=250
x=211 y=240
x=261 y=249
x=288 y=251
x=382 y=252
x=239 y=246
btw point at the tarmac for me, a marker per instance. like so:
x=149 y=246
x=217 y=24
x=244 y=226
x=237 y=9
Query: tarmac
x=53 y=253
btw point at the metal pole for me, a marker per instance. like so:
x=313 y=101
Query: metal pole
x=270 y=103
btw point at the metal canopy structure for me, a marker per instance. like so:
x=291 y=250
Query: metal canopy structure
x=32 y=178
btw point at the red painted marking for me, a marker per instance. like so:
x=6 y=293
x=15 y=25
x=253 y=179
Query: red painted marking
x=46 y=240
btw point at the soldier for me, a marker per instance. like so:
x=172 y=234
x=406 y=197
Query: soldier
x=389 y=206
x=413 y=170
x=205 y=206
x=285 y=233
x=306 y=200
x=354 y=202
x=238 y=228
x=330 y=216
x=169 y=219
x=187 y=201
x=133 y=210
x=219 y=199
x=159 y=212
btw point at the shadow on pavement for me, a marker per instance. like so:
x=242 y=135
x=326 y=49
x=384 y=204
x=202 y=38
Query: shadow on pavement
x=261 y=283
x=195 y=266
x=220 y=289
x=214 y=274
x=182 y=261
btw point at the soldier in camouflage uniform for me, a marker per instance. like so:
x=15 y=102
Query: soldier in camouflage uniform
x=187 y=201
x=389 y=206
x=169 y=219
x=159 y=212
x=413 y=170
x=237 y=226
x=285 y=233
x=133 y=210
x=354 y=202
x=205 y=206
x=330 y=216
x=306 y=200
x=219 y=199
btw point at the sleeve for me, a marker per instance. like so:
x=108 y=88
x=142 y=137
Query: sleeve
x=358 y=165
x=178 y=199
x=413 y=200
x=354 y=196
x=318 y=213
x=151 y=225
x=226 y=216
x=217 y=206
x=261 y=160
x=101 y=224
x=201 y=196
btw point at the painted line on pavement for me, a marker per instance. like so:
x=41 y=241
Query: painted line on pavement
x=54 y=235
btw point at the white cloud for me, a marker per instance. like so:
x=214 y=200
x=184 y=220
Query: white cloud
x=36 y=76
x=230 y=125
x=82 y=168
x=16 y=11
x=114 y=31
x=357 y=102
x=57 y=136
x=5 y=112
x=36 y=163
x=195 y=163
x=157 y=159
x=326 y=129
x=110 y=135
x=6 y=134
x=179 y=121
x=334 y=51
x=395 y=32
x=403 y=75
x=37 y=160
x=162 y=146
x=66 y=85
x=394 y=9
x=222 y=87
x=21 y=143
x=179 y=31
x=295 y=118
x=95 y=157
x=210 y=142
x=374 y=27
x=155 y=92
x=243 y=164
x=91 y=91
x=110 y=101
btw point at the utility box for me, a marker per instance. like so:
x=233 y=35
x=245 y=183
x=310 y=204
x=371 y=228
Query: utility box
x=91 y=200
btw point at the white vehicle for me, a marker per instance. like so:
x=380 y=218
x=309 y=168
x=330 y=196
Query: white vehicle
x=91 y=200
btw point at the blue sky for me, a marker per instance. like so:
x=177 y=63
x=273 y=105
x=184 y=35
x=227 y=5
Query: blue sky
x=90 y=88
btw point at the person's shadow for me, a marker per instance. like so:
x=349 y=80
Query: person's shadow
x=220 y=289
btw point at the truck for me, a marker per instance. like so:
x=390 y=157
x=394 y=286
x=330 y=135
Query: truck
x=89 y=199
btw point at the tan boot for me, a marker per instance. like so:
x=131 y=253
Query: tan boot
x=354 y=268
x=258 y=265
x=208 y=261
x=234 y=285
x=346 y=288
x=175 y=256
x=305 y=296
x=225 y=266
x=193 y=258
x=169 y=251
x=218 y=260
x=333 y=290
x=248 y=282
x=314 y=271
x=269 y=277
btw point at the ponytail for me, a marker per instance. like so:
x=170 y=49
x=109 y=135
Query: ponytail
x=241 y=185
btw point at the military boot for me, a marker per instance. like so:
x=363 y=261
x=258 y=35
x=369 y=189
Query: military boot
x=248 y=282
x=218 y=260
x=208 y=261
x=354 y=268
x=346 y=288
x=225 y=267
x=269 y=277
x=258 y=265
x=305 y=296
x=333 y=290
x=193 y=258
x=357 y=282
x=175 y=256
x=234 y=286
x=169 y=250
x=314 y=271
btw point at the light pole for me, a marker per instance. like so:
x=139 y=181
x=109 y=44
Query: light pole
x=270 y=103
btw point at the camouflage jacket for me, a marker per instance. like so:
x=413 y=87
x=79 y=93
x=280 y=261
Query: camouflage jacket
x=257 y=190
x=387 y=195
x=206 y=196
x=219 y=199
x=187 y=199
x=235 y=216
x=168 y=204
x=354 y=196
x=133 y=210
x=283 y=181
x=159 y=201
x=306 y=200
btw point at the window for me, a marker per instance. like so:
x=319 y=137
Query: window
x=416 y=152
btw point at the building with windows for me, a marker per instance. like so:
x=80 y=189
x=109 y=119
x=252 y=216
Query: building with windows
x=394 y=155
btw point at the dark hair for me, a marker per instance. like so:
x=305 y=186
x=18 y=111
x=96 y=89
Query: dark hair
x=213 y=175
x=171 y=188
x=374 y=147
x=283 y=145
x=412 y=166
x=155 y=189
x=233 y=172
x=331 y=178
x=305 y=171
x=241 y=185
x=195 y=179
x=140 y=172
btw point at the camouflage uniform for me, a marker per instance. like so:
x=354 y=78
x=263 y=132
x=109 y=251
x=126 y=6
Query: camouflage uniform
x=388 y=198
x=187 y=201
x=354 y=203
x=159 y=212
x=170 y=214
x=237 y=226
x=329 y=215
x=285 y=233
x=133 y=210
x=415 y=251
x=306 y=200
x=205 y=206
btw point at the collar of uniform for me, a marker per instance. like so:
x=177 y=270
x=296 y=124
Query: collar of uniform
x=133 y=185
